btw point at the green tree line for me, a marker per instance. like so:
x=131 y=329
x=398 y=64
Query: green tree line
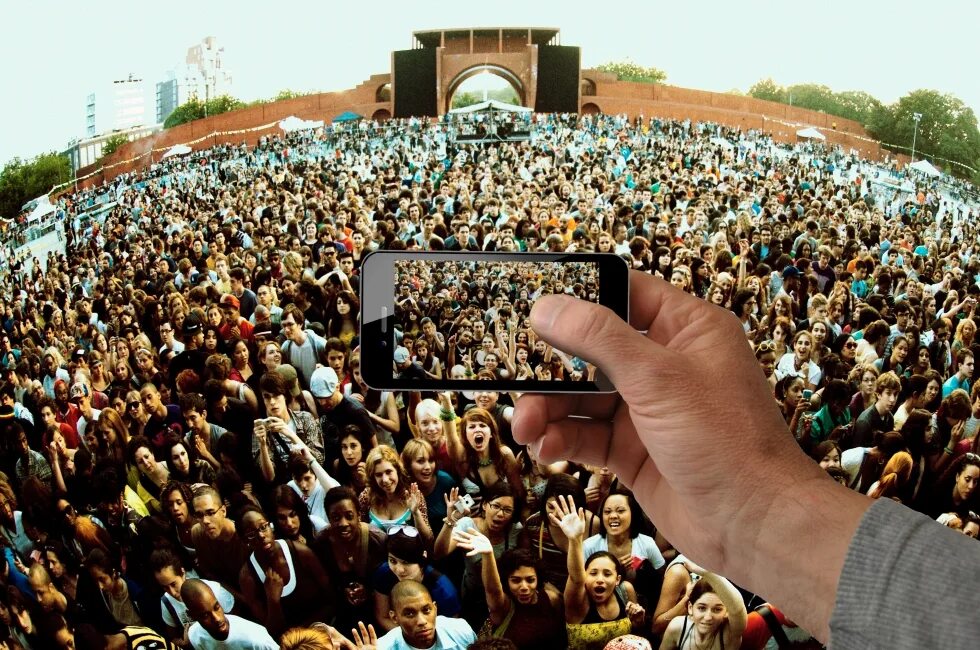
x=947 y=133
x=24 y=180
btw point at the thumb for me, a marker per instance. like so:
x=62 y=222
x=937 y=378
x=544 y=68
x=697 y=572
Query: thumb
x=590 y=331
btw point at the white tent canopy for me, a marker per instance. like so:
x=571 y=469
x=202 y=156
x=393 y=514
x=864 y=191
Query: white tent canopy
x=811 y=133
x=925 y=167
x=490 y=104
x=176 y=150
x=43 y=209
x=293 y=123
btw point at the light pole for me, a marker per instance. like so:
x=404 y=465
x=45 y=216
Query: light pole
x=915 y=117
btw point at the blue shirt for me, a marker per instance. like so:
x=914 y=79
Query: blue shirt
x=450 y=633
x=953 y=383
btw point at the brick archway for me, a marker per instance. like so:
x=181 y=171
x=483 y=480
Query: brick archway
x=590 y=109
x=513 y=79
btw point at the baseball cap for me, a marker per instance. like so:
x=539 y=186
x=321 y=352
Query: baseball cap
x=79 y=389
x=288 y=373
x=228 y=300
x=401 y=354
x=791 y=272
x=192 y=325
x=323 y=383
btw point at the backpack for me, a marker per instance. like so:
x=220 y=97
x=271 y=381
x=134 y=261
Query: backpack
x=318 y=345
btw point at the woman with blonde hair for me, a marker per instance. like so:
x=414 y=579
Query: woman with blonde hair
x=391 y=499
x=109 y=436
x=419 y=461
x=894 y=477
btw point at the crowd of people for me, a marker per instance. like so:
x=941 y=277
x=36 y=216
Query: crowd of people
x=489 y=335
x=191 y=458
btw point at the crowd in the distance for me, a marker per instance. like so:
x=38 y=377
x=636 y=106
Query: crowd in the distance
x=191 y=456
x=491 y=333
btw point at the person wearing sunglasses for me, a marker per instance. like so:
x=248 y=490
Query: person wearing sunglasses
x=283 y=582
x=408 y=560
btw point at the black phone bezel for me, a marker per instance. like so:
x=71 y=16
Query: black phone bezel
x=377 y=332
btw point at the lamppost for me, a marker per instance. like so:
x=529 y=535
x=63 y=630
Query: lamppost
x=916 y=117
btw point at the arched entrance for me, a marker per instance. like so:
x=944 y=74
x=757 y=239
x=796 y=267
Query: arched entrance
x=590 y=109
x=497 y=71
x=381 y=115
x=383 y=93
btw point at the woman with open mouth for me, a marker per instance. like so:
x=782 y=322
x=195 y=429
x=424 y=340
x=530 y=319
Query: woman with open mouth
x=478 y=457
x=599 y=604
x=282 y=581
x=497 y=518
x=619 y=534
x=522 y=607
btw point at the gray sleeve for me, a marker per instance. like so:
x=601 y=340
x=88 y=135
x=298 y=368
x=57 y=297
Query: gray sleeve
x=907 y=582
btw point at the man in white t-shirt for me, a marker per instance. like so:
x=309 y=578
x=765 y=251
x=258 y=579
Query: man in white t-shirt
x=168 y=571
x=215 y=630
x=81 y=396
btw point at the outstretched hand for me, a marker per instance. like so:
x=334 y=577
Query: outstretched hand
x=693 y=430
x=473 y=541
x=572 y=523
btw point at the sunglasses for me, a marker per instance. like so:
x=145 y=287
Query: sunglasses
x=768 y=346
x=132 y=405
x=409 y=531
x=851 y=345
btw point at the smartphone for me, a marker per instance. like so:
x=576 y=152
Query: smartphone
x=807 y=394
x=464 y=503
x=478 y=305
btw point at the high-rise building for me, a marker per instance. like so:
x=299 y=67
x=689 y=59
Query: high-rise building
x=168 y=97
x=205 y=75
x=119 y=105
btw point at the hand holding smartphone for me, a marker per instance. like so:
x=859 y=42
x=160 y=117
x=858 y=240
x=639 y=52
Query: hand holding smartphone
x=495 y=292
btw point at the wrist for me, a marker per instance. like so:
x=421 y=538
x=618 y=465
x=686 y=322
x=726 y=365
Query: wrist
x=817 y=509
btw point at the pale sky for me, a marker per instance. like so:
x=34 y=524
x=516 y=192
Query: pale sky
x=55 y=53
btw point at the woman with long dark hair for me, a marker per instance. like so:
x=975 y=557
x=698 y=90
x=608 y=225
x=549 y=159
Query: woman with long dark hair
x=293 y=520
x=956 y=489
x=599 y=604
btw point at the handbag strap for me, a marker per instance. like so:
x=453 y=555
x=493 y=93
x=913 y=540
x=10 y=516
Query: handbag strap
x=501 y=630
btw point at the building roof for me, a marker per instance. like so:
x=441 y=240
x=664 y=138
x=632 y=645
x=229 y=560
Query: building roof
x=433 y=37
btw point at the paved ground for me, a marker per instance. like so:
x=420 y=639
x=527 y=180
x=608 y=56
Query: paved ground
x=40 y=248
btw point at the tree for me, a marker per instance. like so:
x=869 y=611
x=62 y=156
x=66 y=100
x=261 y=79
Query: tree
x=768 y=90
x=461 y=100
x=629 y=71
x=22 y=181
x=947 y=130
x=112 y=143
x=194 y=109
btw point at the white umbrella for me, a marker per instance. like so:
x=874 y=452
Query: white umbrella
x=727 y=144
x=925 y=167
x=811 y=134
x=293 y=123
x=176 y=150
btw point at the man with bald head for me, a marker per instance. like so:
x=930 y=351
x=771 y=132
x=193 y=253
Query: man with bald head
x=419 y=625
x=215 y=630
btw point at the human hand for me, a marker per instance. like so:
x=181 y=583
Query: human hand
x=675 y=346
x=364 y=637
x=358 y=397
x=415 y=498
x=339 y=640
x=199 y=445
x=636 y=613
x=273 y=584
x=260 y=433
x=571 y=523
x=473 y=541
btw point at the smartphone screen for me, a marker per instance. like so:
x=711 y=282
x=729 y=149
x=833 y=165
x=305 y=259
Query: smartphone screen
x=460 y=320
